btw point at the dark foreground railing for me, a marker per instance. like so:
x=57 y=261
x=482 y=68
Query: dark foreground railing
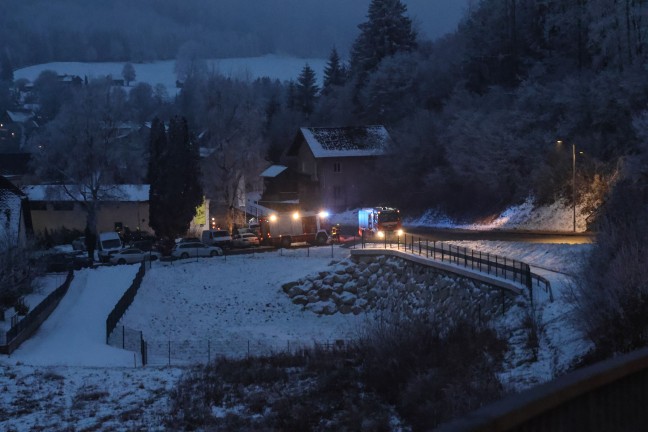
x=609 y=396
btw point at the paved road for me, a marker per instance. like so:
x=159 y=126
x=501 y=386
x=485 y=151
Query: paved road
x=442 y=234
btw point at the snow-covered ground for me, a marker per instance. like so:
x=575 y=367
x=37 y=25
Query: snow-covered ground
x=66 y=376
x=558 y=217
x=162 y=72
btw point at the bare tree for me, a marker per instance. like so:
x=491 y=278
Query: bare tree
x=83 y=151
x=128 y=72
x=235 y=145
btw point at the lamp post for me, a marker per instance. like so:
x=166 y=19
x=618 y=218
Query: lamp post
x=573 y=182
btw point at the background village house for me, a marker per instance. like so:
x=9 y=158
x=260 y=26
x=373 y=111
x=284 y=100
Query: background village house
x=52 y=209
x=330 y=167
x=15 y=218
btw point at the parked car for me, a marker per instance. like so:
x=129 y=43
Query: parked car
x=245 y=240
x=132 y=256
x=215 y=237
x=188 y=240
x=108 y=243
x=64 y=261
x=195 y=249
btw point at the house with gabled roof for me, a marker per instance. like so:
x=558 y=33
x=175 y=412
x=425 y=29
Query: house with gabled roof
x=15 y=218
x=335 y=165
x=15 y=126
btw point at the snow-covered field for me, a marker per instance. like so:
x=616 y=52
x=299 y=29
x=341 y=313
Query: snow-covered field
x=162 y=72
x=66 y=376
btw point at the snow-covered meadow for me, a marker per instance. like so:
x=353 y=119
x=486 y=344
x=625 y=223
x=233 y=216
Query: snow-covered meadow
x=67 y=375
x=283 y=68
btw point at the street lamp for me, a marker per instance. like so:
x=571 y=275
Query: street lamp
x=559 y=142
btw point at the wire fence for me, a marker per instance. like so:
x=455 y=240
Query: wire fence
x=124 y=302
x=160 y=352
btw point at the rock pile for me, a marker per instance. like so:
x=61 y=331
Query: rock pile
x=380 y=283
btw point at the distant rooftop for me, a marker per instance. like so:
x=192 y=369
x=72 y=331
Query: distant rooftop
x=345 y=141
x=273 y=171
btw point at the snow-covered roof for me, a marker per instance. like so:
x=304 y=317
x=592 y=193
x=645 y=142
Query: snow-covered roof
x=20 y=116
x=124 y=193
x=273 y=171
x=346 y=141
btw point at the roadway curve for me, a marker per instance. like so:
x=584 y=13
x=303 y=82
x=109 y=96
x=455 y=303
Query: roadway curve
x=445 y=234
x=441 y=234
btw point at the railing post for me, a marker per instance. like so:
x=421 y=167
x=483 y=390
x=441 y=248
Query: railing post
x=465 y=257
x=472 y=259
x=419 y=245
x=488 y=261
x=427 y=248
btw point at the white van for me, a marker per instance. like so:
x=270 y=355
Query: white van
x=107 y=244
x=220 y=238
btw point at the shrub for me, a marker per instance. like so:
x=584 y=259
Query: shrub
x=611 y=297
x=433 y=372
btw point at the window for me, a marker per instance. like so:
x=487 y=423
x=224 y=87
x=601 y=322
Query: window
x=63 y=205
x=337 y=167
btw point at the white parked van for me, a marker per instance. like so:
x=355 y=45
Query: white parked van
x=220 y=238
x=107 y=244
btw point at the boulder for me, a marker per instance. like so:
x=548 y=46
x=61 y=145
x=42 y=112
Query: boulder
x=322 y=307
x=289 y=285
x=300 y=300
x=297 y=291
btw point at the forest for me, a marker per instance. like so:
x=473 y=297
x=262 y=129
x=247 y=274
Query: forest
x=476 y=116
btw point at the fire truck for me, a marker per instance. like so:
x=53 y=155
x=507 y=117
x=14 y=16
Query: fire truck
x=283 y=229
x=379 y=222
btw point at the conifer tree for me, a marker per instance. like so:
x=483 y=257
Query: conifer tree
x=175 y=179
x=306 y=90
x=386 y=32
x=157 y=145
x=334 y=72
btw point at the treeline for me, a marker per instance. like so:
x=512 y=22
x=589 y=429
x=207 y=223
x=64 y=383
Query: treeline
x=475 y=116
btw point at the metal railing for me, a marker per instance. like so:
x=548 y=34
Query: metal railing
x=483 y=262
